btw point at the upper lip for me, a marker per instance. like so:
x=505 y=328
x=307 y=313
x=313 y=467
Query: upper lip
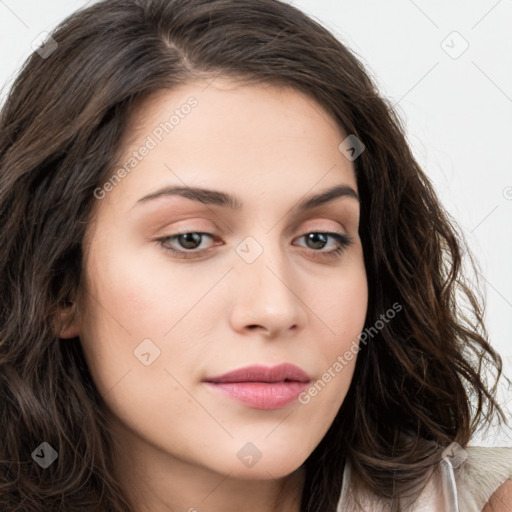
x=261 y=373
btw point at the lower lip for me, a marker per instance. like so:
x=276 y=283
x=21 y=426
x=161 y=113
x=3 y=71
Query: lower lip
x=262 y=395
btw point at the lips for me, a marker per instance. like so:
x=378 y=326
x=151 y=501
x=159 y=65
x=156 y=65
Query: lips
x=259 y=373
x=262 y=387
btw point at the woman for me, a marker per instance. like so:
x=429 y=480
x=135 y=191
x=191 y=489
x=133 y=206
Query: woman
x=226 y=282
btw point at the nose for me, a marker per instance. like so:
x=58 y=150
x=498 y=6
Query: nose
x=267 y=296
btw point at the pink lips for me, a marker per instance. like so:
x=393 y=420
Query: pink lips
x=262 y=387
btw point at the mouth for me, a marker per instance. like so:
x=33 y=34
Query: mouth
x=260 y=373
x=262 y=387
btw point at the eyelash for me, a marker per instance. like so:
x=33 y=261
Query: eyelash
x=342 y=239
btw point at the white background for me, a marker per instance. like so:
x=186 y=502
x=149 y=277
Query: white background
x=457 y=110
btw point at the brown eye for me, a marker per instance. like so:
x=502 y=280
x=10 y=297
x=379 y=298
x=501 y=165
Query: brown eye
x=318 y=240
x=184 y=243
x=189 y=240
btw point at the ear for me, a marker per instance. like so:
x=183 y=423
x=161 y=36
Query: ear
x=68 y=323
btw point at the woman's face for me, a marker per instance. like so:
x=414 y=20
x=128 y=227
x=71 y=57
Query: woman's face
x=254 y=284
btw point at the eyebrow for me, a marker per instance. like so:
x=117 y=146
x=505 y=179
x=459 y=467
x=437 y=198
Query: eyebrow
x=217 y=198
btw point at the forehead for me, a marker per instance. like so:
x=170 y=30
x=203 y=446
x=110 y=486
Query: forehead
x=249 y=138
x=242 y=111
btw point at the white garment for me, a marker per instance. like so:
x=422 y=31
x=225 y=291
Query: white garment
x=471 y=484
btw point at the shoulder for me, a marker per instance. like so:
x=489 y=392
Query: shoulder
x=483 y=481
x=501 y=500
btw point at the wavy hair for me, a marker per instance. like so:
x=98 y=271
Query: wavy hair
x=418 y=384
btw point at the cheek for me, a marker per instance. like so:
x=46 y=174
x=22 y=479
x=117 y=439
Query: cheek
x=344 y=306
x=120 y=306
x=130 y=301
x=139 y=294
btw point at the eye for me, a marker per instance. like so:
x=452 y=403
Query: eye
x=189 y=243
x=319 y=239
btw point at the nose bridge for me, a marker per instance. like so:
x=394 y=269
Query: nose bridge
x=263 y=262
x=264 y=285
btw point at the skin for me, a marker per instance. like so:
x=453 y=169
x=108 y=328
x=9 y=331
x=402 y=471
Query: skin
x=501 y=500
x=176 y=439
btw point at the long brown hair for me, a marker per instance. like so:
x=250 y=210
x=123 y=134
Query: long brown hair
x=418 y=383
